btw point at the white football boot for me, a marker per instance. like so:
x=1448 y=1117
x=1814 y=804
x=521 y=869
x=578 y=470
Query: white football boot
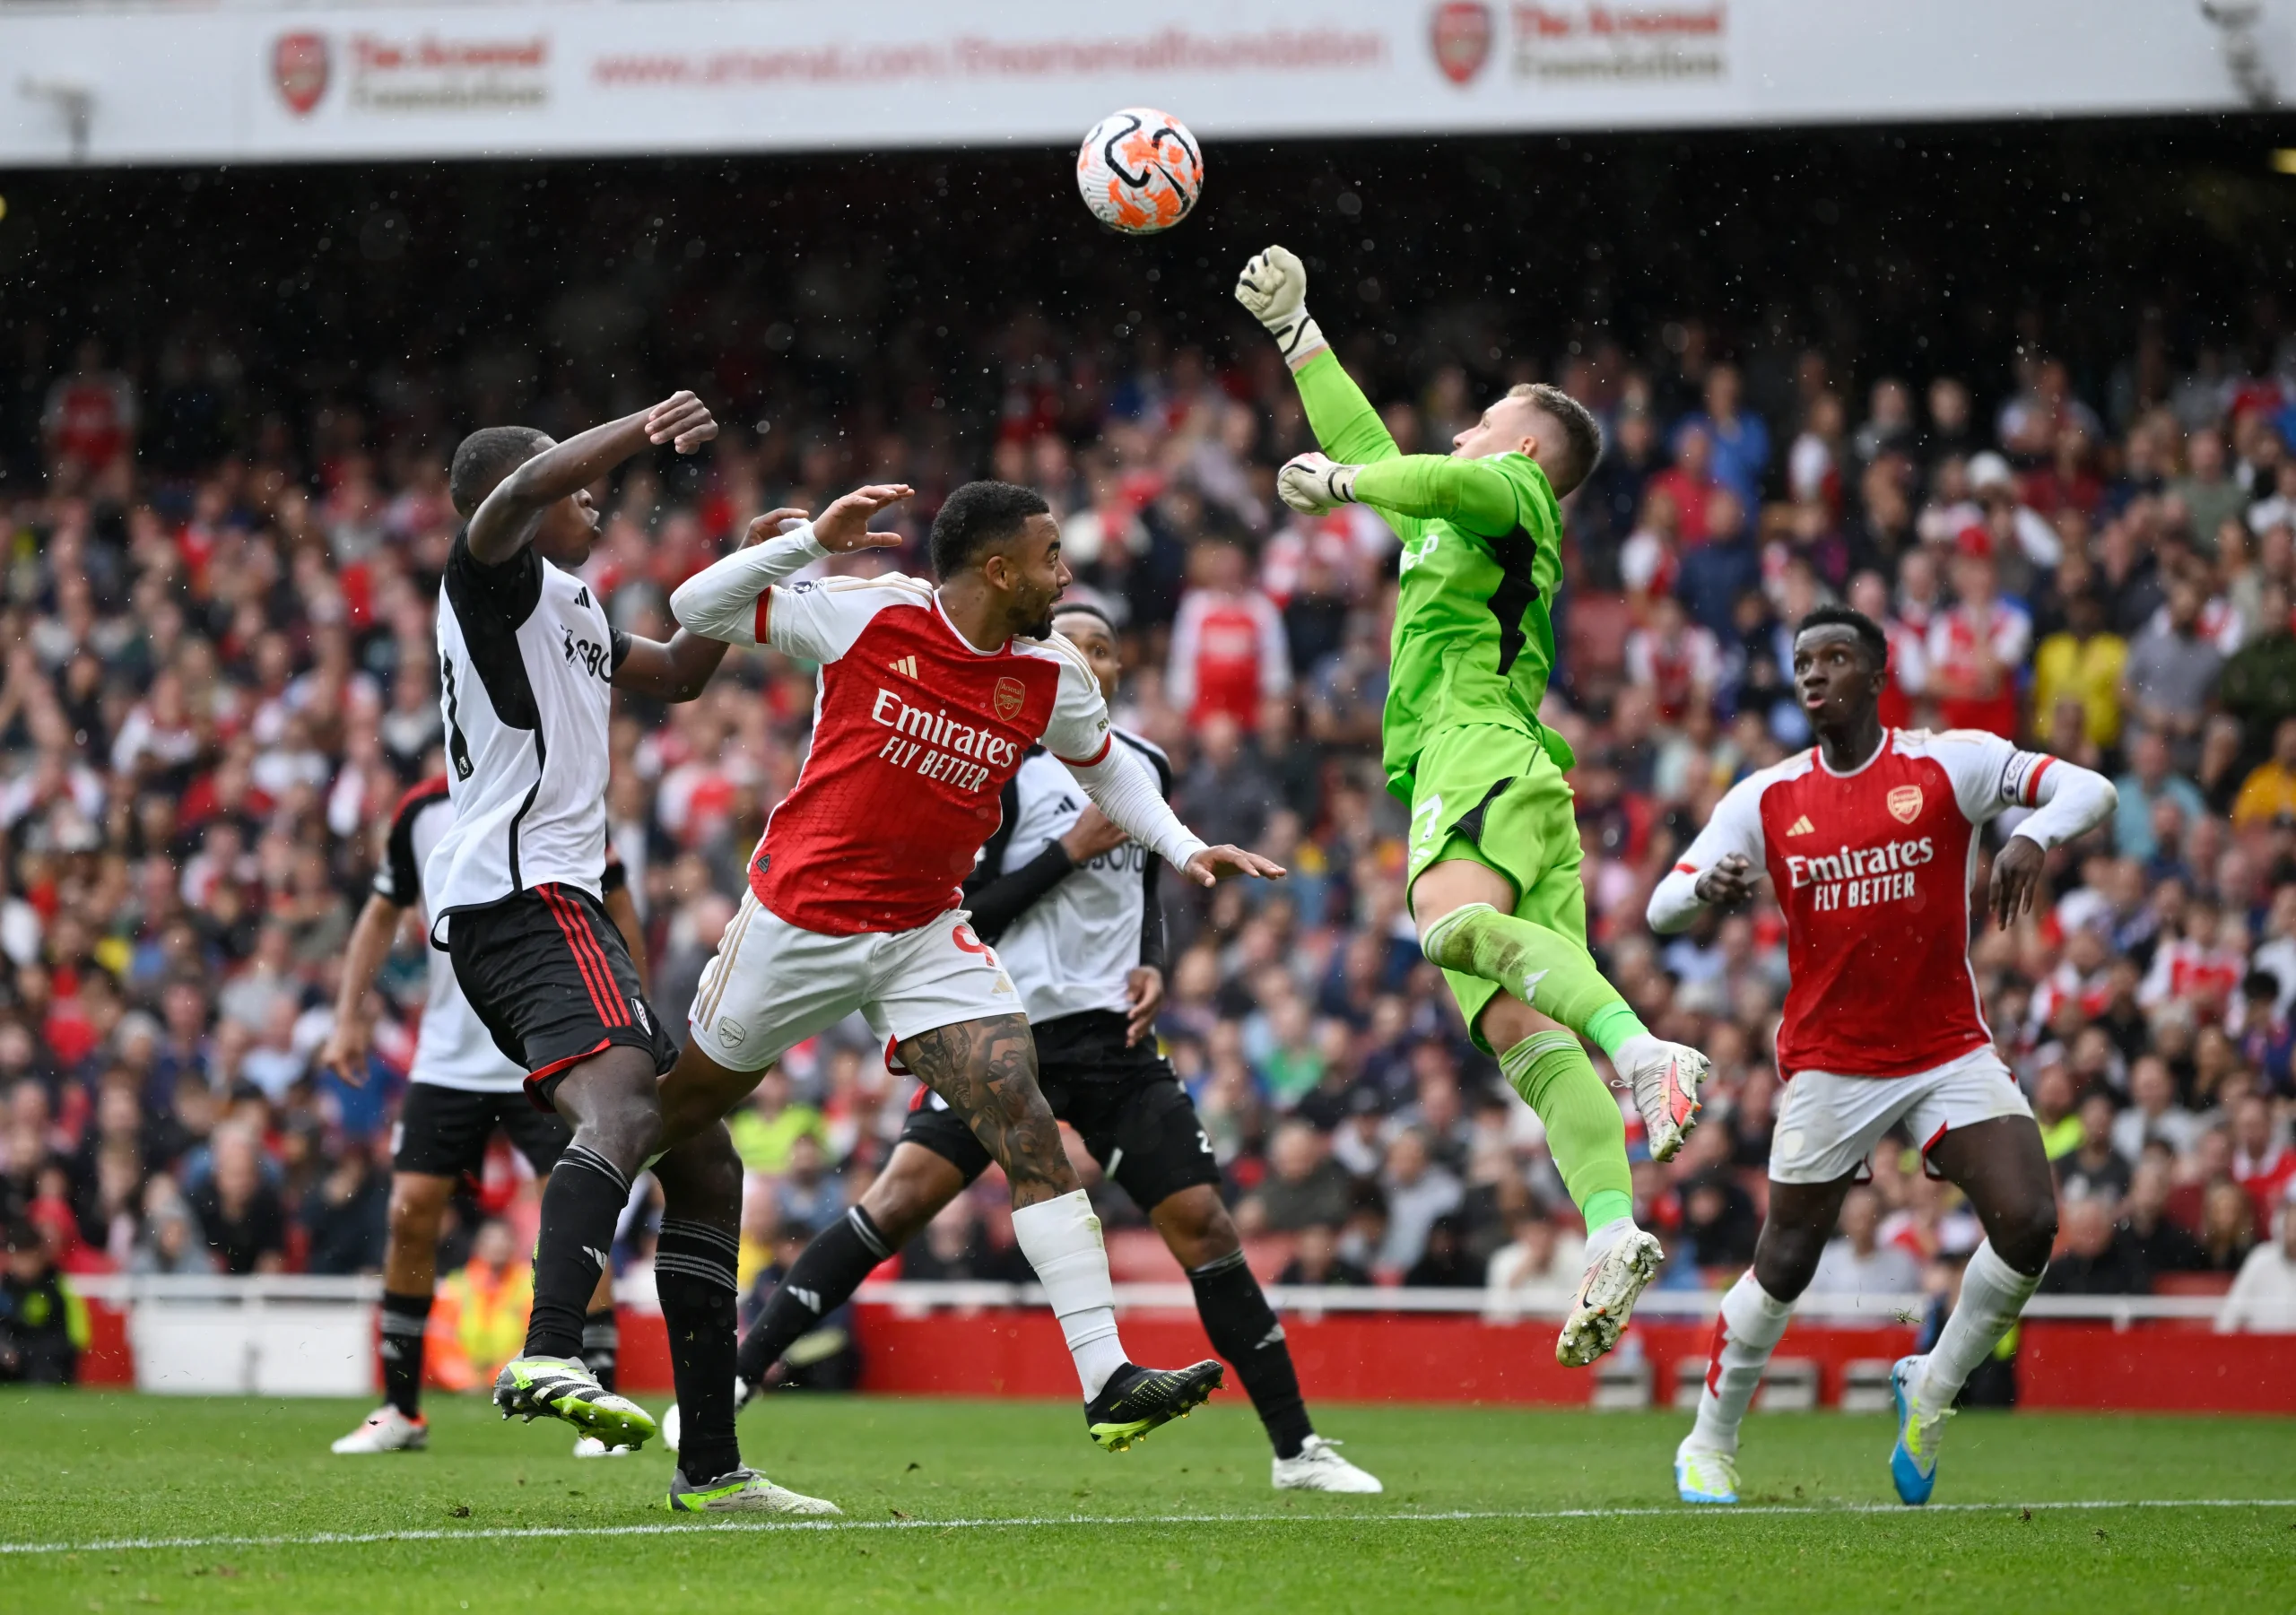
x=1664 y=1078
x=742 y=1491
x=1703 y=1474
x=387 y=1430
x=1319 y=1467
x=1614 y=1281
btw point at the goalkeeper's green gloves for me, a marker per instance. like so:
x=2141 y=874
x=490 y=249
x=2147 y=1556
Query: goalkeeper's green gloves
x=1274 y=290
x=1313 y=484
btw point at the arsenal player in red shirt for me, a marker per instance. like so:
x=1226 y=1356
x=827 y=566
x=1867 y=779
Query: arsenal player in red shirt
x=1869 y=841
x=930 y=698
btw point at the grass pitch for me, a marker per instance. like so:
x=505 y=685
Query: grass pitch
x=113 y=1502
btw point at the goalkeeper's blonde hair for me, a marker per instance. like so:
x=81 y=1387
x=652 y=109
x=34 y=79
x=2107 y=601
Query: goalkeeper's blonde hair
x=1582 y=436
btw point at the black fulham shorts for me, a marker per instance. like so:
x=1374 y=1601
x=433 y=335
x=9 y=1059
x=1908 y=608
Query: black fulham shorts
x=550 y=977
x=442 y=1132
x=1124 y=1103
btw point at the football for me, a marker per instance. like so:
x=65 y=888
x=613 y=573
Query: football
x=1140 y=170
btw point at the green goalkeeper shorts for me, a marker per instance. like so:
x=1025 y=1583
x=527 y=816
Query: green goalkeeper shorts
x=1492 y=794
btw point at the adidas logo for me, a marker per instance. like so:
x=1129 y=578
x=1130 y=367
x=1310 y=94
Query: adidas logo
x=906 y=665
x=1803 y=827
x=810 y=1300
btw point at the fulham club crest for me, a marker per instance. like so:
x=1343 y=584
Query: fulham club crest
x=298 y=70
x=1460 y=32
x=1905 y=803
x=1011 y=696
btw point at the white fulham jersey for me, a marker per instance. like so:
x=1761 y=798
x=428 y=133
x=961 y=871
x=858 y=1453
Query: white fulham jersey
x=1072 y=949
x=453 y=1050
x=525 y=665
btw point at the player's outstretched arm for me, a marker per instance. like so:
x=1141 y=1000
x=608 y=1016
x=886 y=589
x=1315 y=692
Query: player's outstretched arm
x=507 y=521
x=1474 y=494
x=2069 y=802
x=1273 y=291
x=345 y=1052
x=1122 y=787
x=729 y=600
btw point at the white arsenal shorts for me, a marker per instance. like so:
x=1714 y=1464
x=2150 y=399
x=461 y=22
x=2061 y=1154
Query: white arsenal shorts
x=1829 y=1124
x=773 y=985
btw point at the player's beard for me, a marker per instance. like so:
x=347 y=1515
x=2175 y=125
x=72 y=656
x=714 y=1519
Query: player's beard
x=1040 y=623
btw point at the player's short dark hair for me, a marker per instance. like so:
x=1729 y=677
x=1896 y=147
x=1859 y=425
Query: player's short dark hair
x=484 y=458
x=977 y=515
x=1087 y=609
x=1868 y=632
x=1582 y=438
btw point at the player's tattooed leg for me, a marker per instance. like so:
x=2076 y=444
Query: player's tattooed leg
x=987 y=1071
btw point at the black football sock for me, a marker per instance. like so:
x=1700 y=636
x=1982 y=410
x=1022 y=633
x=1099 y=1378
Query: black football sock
x=1243 y=1330
x=694 y=1275
x=580 y=1209
x=404 y=1318
x=823 y=1279
x=602 y=1345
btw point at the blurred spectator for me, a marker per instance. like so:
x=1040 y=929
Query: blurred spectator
x=2158 y=1242
x=1416 y=1191
x=1304 y=1187
x=2263 y=1296
x=1719 y=1223
x=240 y=1214
x=2098 y=1258
x=1855 y=1265
x=43 y=1322
x=1316 y=1259
x=2269 y=792
x=1229 y=650
x=478 y=1321
x=2083 y=662
x=1976 y=646
x=2171 y=673
x=1539 y=1260
x=2096 y=1169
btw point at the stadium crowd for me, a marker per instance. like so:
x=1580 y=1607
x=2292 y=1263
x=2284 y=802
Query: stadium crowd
x=219 y=676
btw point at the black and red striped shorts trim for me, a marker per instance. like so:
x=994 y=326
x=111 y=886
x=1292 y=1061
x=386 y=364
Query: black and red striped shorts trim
x=550 y=977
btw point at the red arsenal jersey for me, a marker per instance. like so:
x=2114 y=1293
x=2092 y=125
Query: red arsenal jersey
x=915 y=735
x=1872 y=870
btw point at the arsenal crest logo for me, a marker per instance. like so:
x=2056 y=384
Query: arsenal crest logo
x=1460 y=32
x=1010 y=697
x=1905 y=803
x=299 y=69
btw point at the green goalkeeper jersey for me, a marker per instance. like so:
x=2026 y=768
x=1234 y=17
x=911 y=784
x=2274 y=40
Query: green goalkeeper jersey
x=1482 y=557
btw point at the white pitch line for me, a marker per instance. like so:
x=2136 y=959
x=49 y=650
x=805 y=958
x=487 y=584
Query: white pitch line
x=340 y=1539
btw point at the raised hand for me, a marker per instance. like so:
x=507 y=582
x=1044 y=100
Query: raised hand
x=681 y=419
x=771 y=524
x=1273 y=291
x=1272 y=287
x=844 y=526
x=1313 y=484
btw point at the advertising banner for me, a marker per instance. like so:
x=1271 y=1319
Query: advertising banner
x=184 y=81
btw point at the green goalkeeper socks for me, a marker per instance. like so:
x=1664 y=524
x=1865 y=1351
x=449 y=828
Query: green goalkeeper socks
x=1543 y=967
x=1585 y=1133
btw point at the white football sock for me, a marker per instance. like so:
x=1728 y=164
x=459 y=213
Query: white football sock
x=1061 y=1239
x=1744 y=1335
x=1993 y=1293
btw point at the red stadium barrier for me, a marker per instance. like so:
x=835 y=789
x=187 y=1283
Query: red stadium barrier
x=1460 y=1357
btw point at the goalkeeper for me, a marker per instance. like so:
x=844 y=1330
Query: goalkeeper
x=1494 y=850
